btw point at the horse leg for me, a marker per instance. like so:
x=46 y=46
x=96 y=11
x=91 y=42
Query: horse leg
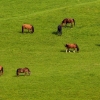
x=71 y=24
x=25 y=73
x=66 y=50
x=74 y=50
x=1 y=72
x=66 y=25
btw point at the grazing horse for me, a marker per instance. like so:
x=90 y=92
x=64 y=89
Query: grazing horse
x=68 y=20
x=28 y=27
x=1 y=70
x=59 y=29
x=71 y=46
x=23 y=70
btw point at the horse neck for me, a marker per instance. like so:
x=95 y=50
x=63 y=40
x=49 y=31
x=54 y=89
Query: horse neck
x=77 y=47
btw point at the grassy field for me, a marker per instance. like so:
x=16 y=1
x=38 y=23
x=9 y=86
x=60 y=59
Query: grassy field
x=55 y=74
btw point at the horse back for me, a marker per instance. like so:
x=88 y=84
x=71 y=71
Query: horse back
x=70 y=45
x=27 y=26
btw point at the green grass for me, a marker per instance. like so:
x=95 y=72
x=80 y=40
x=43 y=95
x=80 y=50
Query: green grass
x=55 y=75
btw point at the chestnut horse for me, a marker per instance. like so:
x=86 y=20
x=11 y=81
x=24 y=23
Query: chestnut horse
x=1 y=70
x=28 y=27
x=68 y=20
x=23 y=70
x=71 y=46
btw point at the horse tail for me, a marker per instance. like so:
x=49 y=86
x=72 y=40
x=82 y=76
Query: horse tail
x=66 y=45
x=2 y=70
x=77 y=47
x=22 y=29
x=74 y=22
x=32 y=29
x=29 y=71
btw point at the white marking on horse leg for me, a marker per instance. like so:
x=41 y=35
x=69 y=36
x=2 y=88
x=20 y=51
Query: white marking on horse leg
x=74 y=51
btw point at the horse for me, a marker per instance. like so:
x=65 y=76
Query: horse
x=68 y=20
x=59 y=30
x=1 y=70
x=23 y=70
x=28 y=27
x=72 y=46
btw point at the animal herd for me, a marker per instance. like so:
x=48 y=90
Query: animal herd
x=30 y=29
x=65 y=21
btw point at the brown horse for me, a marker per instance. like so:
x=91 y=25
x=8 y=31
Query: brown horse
x=68 y=20
x=1 y=70
x=28 y=27
x=23 y=70
x=71 y=46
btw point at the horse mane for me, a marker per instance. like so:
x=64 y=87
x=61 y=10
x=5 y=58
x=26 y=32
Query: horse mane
x=77 y=47
x=32 y=29
x=2 y=69
x=74 y=22
x=29 y=70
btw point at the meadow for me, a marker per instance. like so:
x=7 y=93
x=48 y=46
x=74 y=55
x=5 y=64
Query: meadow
x=55 y=74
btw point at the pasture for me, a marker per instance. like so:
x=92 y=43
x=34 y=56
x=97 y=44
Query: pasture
x=55 y=74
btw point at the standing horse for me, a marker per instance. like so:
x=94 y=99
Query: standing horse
x=68 y=20
x=1 y=70
x=71 y=46
x=23 y=70
x=28 y=27
x=59 y=29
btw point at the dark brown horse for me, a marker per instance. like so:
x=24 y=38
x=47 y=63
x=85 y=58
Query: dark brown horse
x=72 y=46
x=68 y=20
x=1 y=70
x=28 y=27
x=59 y=30
x=23 y=70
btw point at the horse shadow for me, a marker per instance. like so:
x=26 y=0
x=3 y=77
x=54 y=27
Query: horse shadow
x=55 y=33
x=66 y=26
x=65 y=51
x=20 y=75
x=62 y=50
x=24 y=32
x=97 y=45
